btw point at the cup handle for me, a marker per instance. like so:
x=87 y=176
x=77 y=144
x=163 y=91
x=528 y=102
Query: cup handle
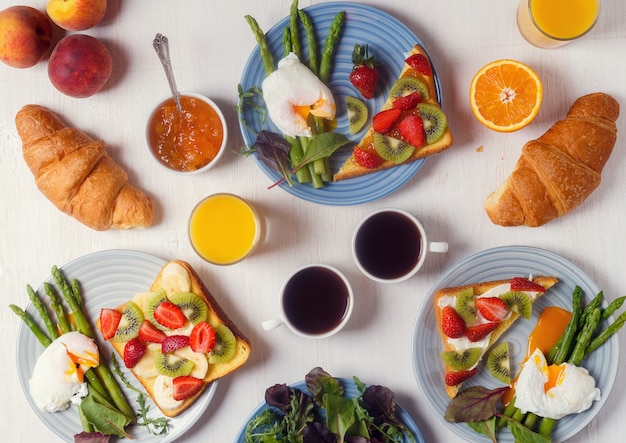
x=273 y=323
x=435 y=246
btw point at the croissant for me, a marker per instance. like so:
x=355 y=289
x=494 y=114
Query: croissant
x=77 y=175
x=560 y=169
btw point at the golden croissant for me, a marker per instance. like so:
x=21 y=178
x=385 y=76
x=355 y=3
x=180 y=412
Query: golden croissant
x=560 y=169
x=76 y=174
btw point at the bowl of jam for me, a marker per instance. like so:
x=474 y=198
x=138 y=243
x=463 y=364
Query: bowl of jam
x=190 y=141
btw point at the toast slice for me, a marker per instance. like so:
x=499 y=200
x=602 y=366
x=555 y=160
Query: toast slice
x=460 y=296
x=352 y=167
x=178 y=277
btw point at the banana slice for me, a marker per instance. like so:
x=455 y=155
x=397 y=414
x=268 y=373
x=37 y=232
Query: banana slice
x=199 y=359
x=145 y=368
x=164 y=393
x=175 y=279
x=140 y=299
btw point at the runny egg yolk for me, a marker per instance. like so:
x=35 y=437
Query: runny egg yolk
x=555 y=376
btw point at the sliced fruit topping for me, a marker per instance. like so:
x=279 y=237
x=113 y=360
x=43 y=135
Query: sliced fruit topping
x=465 y=306
x=519 y=302
x=452 y=323
x=152 y=302
x=134 y=349
x=175 y=278
x=364 y=74
x=435 y=122
x=202 y=338
x=408 y=85
x=498 y=363
x=172 y=365
x=454 y=378
x=168 y=315
x=523 y=284
x=367 y=158
x=186 y=386
x=109 y=320
x=384 y=120
x=411 y=128
x=357 y=114
x=225 y=344
x=194 y=307
x=408 y=102
x=150 y=334
x=492 y=308
x=392 y=149
x=478 y=332
x=129 y=324
x=174 y=342
x=462 y=359
x=420 y=63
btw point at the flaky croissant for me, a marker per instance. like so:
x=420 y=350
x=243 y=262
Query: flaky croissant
x=560 y=169
x=76 y=174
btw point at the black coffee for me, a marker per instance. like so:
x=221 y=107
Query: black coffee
x=388 y=245
x=315 y=300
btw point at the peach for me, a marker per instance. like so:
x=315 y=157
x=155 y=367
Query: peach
x=79 y=65
x=25 y=36
x=76 y=15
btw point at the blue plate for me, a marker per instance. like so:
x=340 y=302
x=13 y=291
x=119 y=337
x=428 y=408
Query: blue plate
x=350 y=390
x=390 y=41
x=503 y=263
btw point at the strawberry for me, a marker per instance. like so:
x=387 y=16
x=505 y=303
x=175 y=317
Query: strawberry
x=452 y=323
x=492 y=308
x=202 y=338
x=364 y=74
x=109 y=320
x=408 y=102
x=412 y=130
x=173 y=342
x=169 y=315
x=478 y=332
x=367 y=158
x=523 y=284
x=186 y=386
x=454 y=378
x=150 y=334
x=134 y=349
x=384 y=120
x=420 y=63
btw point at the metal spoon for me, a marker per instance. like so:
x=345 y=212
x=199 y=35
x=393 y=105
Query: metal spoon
x=162 y=48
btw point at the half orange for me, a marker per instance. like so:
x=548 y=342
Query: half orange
x=505 y=95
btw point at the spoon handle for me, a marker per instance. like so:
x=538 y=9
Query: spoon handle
x=162 y=48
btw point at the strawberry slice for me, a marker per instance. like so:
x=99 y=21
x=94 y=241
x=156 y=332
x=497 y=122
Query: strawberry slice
x=150 y=334
x=186 y=386
x=202 y=338
x=452 y=323
x=367 y=158
x=384 y=120
x=134 y=349
x=169 y=315
x=109 y=320
x=478 y=332
x=492 y=308
x=412 y=130
x=173 y=342
x=523 y=284
x=454 y=378
x=408 y=102
x=420 y=63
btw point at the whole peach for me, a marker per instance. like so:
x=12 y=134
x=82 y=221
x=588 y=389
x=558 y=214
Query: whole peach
x=76 y=15
x=79 y=65
x=25 y=36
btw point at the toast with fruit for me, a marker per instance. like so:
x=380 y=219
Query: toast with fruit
x=410 y=125
x=175 y=338
x=471 y=318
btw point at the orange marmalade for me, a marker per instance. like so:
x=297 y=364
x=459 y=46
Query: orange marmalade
x=187 y=142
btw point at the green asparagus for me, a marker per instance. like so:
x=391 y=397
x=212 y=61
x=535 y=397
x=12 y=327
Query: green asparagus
x=329 y=46
x=43 y=312
x=266 y=56
x=34 y=327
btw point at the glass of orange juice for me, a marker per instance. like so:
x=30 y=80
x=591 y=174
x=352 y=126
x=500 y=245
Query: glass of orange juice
x=553 y=23
x=224 y=229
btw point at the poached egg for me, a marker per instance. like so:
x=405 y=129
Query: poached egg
x=292 y=92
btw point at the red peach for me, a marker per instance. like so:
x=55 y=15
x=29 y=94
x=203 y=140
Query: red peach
x=25 y=36
x=76 y=15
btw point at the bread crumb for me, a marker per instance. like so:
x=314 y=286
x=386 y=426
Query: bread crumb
x=480 y=149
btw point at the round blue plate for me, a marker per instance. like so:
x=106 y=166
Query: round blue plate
x=389 y=40
x=503 y=263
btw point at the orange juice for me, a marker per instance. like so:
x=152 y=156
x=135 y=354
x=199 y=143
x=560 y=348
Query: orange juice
x=224 y=229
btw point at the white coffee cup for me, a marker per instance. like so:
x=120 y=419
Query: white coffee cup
x=390 y=245
x=316 y=301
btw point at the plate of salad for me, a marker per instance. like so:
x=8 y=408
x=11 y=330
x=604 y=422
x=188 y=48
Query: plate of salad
x=322 y=407
x=389 y=41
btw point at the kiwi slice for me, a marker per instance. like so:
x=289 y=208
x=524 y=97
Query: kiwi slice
x=392 y=149
x=465 y=306
x=171 y=365
x=151 y=304
x=357 y=114
x=519 y=302
x=462 y=359
x=194 y=308
x=435 y=122
x=498 y=363
x=129 y=325
x=225 y=343
x=407 y=85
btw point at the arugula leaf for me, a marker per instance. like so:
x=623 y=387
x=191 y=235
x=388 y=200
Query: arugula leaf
x=474 y=404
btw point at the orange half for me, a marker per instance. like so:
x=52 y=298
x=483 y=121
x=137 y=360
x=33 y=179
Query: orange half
x=505 y=95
